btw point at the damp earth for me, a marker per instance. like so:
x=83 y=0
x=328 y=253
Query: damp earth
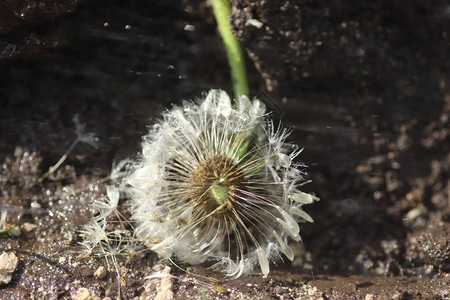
x=363 y=85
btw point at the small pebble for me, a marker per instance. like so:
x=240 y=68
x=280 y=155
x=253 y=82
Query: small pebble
x=8 y=263
x=369 y=297
x=165 y=288
x=100 y=273
x=85 y=294
x=253 y=22
x=28 y=227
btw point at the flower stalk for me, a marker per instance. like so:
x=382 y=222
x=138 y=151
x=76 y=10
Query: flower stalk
x=222 y=12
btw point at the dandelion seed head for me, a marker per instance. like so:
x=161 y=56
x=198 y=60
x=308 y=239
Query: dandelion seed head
x=217 y=181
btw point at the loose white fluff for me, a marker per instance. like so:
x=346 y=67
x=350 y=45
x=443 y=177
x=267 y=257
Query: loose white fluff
x=216 y=181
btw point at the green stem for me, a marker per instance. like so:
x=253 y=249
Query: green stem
x=222 y=11
x=7 y=230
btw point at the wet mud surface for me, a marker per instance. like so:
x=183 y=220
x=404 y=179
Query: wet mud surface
x=365 y=88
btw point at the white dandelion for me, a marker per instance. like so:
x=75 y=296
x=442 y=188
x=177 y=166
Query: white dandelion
x=217 y=181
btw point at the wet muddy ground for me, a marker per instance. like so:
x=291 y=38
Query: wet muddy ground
x=365 y=88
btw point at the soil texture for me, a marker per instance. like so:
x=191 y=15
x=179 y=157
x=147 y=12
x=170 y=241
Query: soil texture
x=364 y=85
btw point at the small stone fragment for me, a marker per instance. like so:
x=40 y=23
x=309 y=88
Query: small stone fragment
x=100 y=273
x=415 y=213
x=8 y=263
x=369 y=297
x=165 y=291
x=28 y=227
x=85 y=294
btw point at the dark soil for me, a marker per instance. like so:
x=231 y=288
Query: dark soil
x=364 y=85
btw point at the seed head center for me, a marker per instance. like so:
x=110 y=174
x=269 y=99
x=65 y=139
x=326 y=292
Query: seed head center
x=215 y=184
x=219 y=191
